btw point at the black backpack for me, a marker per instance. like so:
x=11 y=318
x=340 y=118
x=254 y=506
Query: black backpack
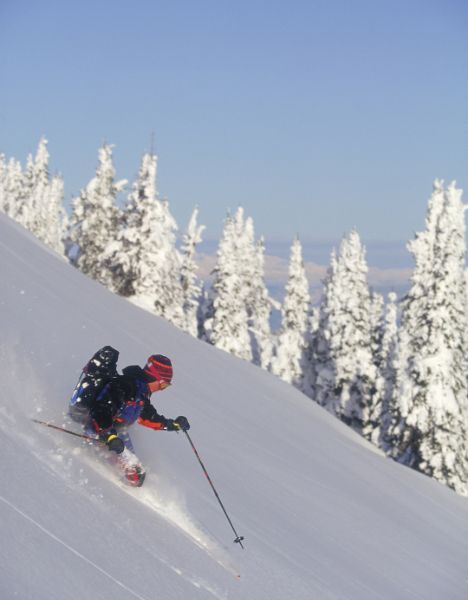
x=98 y=371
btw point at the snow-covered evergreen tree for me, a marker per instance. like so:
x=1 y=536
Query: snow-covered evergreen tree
x=259 y=307
x=24 y=209
x=377 y=329
x=345 y=374
x=125 y=253
x=143 y=259
x=32 y=198
x=386 y=366
x=428 y=419
x=95 y=218
x=32 y=204
x=12 y=188
x=251 y=265
x=383 y=345
x=376 y=322
x=226 y=318
x=292 y=339
x=191 y=288
x=235 y=312
x=9 y=192
x=308 y=367
x=53 y=215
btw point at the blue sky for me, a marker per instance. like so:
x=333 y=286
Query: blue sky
x=315 y=116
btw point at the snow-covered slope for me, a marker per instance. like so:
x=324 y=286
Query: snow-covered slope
x=324 y=515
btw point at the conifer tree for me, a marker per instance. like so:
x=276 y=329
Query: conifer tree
x=386 y=365
x=32 y=198
x=34 y=193
x=126 y=254
x=259 y=307
x=251 y=269
x=235 y=312
x=7 y=192
x=427 y=418
x=383 y=345
x=52 y=219
x=309 y=353
x=292 y=338
x=226 y=319
x=143 y=259
x=376 y=316
x=12 y=188
x=191 y=288
x=95 y=218
x=345 y=376
x=377 y=329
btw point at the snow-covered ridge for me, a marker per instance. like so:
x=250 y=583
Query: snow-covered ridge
x=324 y=515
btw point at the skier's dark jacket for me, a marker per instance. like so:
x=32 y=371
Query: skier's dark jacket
x=124 y=400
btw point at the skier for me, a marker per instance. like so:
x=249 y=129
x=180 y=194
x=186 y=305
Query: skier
x=107 y=403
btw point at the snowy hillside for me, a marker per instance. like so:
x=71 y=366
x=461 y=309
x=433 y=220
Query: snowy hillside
x=324 y=514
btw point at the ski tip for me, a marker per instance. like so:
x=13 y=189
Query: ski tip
x=134 y=477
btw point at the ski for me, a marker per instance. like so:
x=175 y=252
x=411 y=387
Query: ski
x=131 y=469
x=134 y=475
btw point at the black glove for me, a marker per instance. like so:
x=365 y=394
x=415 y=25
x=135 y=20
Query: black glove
x=182 y=423
x=114 y=443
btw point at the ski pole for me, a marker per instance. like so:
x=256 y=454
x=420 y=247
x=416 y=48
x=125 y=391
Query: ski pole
x=239 y=538
x=52 y=426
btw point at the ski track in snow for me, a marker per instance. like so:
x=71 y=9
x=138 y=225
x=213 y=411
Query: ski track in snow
x=71 y=549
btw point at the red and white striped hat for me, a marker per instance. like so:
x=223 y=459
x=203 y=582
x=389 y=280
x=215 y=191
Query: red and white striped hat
x=159 y=367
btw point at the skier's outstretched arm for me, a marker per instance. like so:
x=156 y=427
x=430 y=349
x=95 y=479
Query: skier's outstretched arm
x=151 y=418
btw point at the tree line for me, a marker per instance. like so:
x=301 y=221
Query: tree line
x=394 y=370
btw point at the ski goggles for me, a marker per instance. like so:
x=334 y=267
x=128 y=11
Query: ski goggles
x=158 y=384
